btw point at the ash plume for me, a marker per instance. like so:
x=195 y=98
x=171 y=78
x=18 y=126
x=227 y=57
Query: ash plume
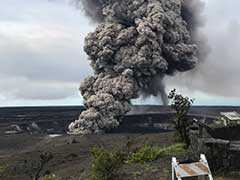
x=136 y=44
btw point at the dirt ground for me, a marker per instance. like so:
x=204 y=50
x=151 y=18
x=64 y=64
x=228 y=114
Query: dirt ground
x=71 y=160
x=71 y=155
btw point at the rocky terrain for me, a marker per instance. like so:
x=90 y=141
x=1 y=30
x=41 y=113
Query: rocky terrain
x=54 y=120
x=43 y=131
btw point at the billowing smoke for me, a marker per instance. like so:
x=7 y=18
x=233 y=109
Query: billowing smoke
x=137 y=43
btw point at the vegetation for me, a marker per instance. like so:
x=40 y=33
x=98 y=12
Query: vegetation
x=174 y=150
x=3 y=168
x=227 y=175
x=50 y=177
x=105 y=164
x=148 y=153
x=181 y=105
x=145 y=154
x=33 y=168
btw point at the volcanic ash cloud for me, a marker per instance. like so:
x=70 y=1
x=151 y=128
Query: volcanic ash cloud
x=136 y=44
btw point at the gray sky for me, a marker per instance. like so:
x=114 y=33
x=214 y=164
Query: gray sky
x=42 y=61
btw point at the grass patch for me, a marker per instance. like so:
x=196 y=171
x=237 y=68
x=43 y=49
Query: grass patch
x=175 y=150
x=149 y=153
x=144 y=154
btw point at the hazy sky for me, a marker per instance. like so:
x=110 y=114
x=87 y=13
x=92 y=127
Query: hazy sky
x=42 y=61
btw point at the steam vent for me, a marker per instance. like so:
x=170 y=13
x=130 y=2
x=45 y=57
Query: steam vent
x=136 y=44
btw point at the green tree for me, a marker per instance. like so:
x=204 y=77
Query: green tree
x=181 y=105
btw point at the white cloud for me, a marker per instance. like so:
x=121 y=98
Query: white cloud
x=41 y=50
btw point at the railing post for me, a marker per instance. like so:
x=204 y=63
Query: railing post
x=174 y=162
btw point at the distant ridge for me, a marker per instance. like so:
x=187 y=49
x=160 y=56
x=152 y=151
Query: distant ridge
x=82 y=107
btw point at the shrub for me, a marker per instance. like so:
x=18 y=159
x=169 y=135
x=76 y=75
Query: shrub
x=144 y=154
x=105 y=164
x=148 y=153
x=3 y=169
x=34 y=167
x=175 y=149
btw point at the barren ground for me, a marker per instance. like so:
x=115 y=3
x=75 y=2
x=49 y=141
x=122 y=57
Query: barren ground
x=71 y=160
x=71 y=156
